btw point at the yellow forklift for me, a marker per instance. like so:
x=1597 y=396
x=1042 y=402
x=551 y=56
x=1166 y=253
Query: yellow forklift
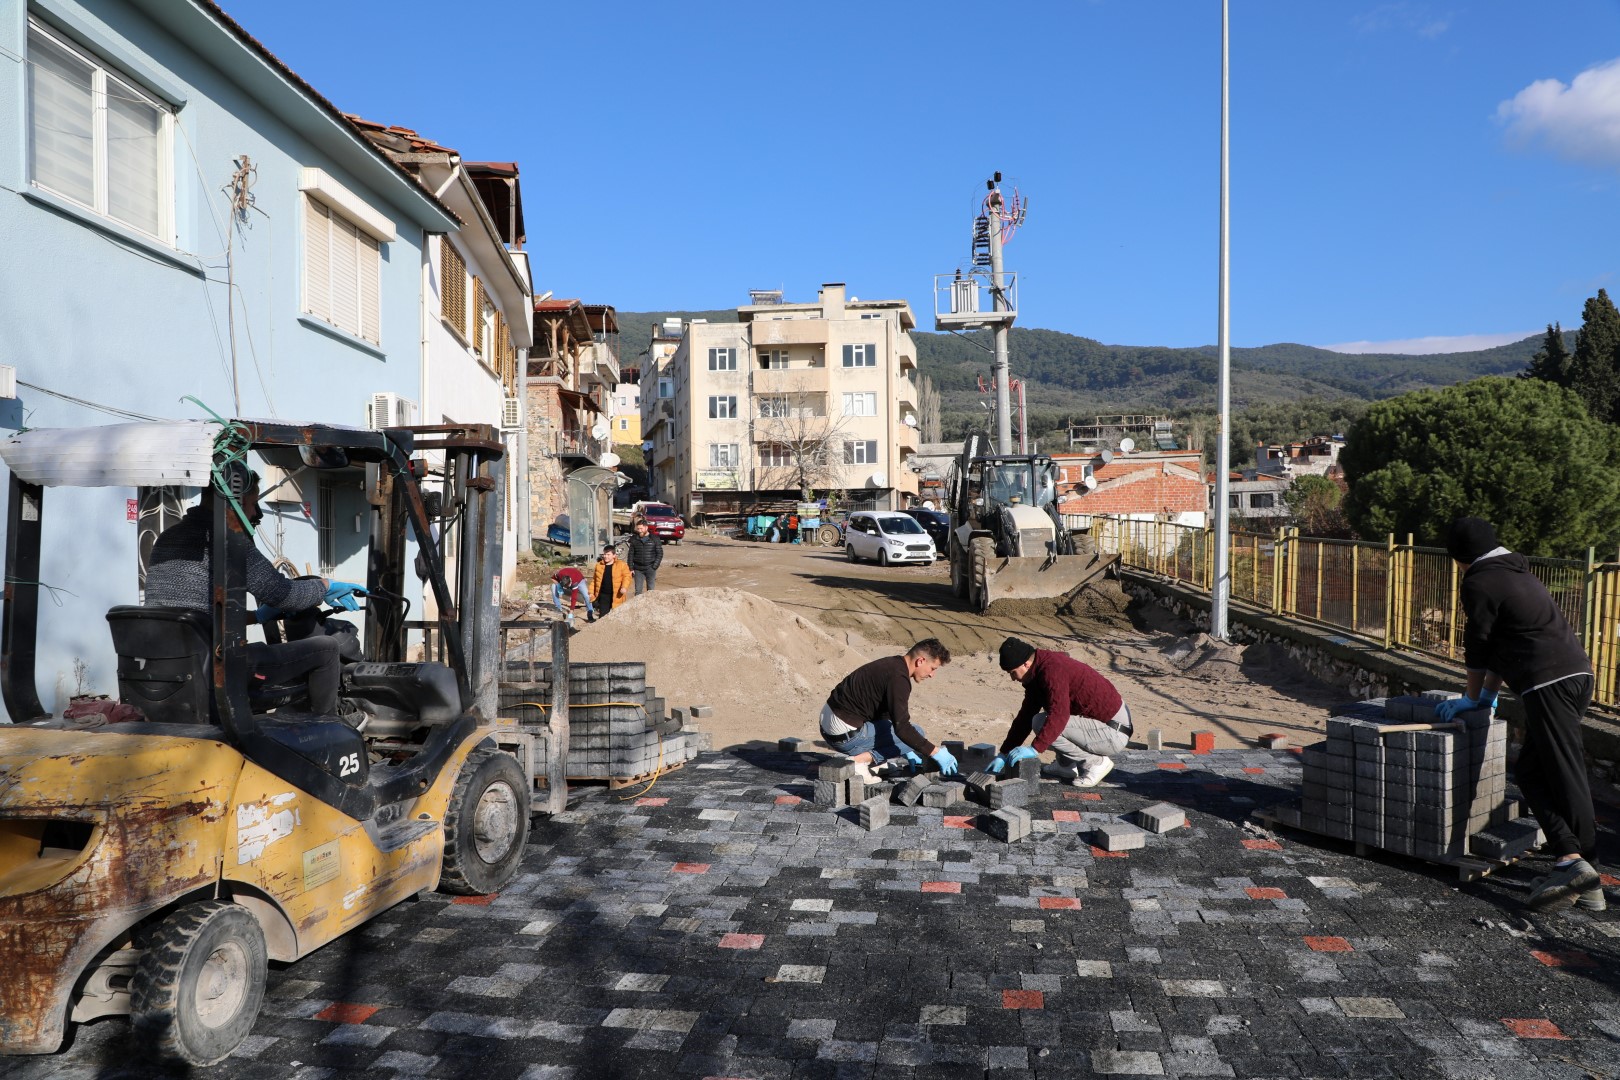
x=152 y=866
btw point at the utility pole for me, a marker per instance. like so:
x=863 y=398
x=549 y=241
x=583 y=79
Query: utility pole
x=1221 y=573
x=995 y=211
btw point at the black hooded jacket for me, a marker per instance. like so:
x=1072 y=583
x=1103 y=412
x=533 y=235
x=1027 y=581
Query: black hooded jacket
x=1514 y=628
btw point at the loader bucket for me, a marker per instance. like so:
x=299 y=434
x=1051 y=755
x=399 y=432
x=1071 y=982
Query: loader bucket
x=1051 y=582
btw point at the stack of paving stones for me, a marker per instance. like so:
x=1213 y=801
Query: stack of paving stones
x=722 y=925
x=1439 y=794
x=618 y=726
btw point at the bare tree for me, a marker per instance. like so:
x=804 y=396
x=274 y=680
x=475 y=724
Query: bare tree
x=928 y=408
x=798 y=442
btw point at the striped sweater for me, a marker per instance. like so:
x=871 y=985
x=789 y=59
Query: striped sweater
x=179 y=572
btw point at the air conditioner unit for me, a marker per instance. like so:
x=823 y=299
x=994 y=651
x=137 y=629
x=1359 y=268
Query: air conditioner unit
x=8 y=381
x=511 y=414
x=386 y=409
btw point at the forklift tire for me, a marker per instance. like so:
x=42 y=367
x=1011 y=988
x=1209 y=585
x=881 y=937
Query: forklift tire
x=199 y=982
x=486 y=825
x=984 y=549
x=961 y=577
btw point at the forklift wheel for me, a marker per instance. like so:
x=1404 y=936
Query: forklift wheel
x=199 y=982
x=486 y=825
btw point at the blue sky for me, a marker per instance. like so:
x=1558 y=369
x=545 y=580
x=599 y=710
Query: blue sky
x=1400 y=171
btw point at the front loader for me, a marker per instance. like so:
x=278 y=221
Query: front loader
x=1008 y=541
x=153 y=866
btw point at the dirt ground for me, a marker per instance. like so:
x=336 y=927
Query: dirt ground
x=762 y=632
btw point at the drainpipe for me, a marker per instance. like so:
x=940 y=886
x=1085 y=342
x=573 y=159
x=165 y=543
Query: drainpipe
x=422 y=356
x=525 y=529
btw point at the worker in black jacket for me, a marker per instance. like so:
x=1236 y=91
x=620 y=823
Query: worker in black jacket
x=1516 y=635
x=646 y=556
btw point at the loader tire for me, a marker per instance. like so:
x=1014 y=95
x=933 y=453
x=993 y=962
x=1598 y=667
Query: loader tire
x=961 y=572
x=486 y=825
x=828 y=536
x=199 y=982
x=983 y=551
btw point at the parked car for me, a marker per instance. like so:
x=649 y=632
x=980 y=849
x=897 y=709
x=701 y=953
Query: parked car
x=937 y=524
x=887 y=536
x=663 y=521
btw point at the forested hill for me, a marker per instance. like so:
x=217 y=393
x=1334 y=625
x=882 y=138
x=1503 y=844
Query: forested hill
x=1063 y=371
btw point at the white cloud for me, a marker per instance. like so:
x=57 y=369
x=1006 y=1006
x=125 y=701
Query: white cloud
x=1425 y=346
x=1580 y=121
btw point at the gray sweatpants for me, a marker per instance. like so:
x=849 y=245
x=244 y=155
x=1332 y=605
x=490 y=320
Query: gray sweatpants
x=1085 y=740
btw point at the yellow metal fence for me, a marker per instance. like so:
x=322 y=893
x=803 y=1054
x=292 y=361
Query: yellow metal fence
x=1402 y=595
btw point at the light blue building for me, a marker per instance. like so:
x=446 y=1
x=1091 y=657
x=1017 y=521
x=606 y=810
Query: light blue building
x=184 y=216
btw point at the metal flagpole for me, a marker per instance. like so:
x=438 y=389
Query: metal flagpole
x=1221 y=579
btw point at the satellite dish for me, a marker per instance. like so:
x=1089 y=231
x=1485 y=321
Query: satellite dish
x=648 y=444
x=879 y=480
x=600 y=429
x=1105 y=458
x=911 y=419
x=1089 y=482
x=609 y=460
x=1127 y=444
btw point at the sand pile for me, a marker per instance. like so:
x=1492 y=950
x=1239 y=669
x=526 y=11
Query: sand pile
x=731 y=649
x=1209 y=659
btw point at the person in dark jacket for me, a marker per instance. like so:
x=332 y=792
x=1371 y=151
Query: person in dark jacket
x=1517 y=636
x=1072 y=710
x=645 y=557
x=868 y=715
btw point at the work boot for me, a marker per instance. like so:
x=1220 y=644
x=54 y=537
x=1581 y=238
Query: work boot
x=1093 y=774
x=1565 y=883
x=1592 y=900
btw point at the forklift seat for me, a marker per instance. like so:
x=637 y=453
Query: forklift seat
x=163 y=662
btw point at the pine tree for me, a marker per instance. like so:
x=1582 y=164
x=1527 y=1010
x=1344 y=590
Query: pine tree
x=1592 y=370
x=1551 y=362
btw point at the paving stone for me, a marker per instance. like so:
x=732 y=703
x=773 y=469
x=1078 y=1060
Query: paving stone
x=874 y=813
x=1118 y=836
x=1161 y=817
x=908 y=793
x=942 y=794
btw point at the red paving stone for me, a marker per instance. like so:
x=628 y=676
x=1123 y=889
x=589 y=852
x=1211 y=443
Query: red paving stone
x=1263 y=893
x=659 y=802
x=1203 y=742
x=1254 y=770
x=788 y=800
x=1059 y=903
x=1090 y=796
x=1534 y=1029
x=1065 y=815
x=476 y=901
x=942 y=886
x=1022 y=999
x=959 y=821
x=1572 y=958
x=742 y=941
x=341 y=1013
x=1172 y=764
x=1262 y=845
x=1328 y=944
x=690 y=868
x=1609 y=880
x=1099 y=853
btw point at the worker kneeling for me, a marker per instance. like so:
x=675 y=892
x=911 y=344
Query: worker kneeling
x=1072 y=710
x=868 y=716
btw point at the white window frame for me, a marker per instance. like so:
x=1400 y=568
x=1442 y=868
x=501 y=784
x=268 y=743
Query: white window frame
x=773 y=359
x=723 y=407
x=486 y=345
x=666 y=388
x=860 y=355
x=775 y=456
x=860 y=403
x=722 y=359
x=860 y=452
x=723 y=455
x=101 y=75
x=775 y=407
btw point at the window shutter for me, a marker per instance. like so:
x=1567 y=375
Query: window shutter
x=476 y=338
x=453 y=286
x=134 y=134
x=370 y=267
x=345 y=275
x=317 y=260
x=62 y=122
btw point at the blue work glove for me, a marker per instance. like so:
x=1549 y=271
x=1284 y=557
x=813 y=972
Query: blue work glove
x=266 y=614
x=946 y=761
x=916 y=761
x=1449 y=709
x=1021 y=753
x=341 y=594
x=997 y=763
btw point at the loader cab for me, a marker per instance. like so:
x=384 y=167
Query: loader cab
x=187 y=669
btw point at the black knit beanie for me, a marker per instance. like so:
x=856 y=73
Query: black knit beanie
x=1014 y=653
x=1469 y=538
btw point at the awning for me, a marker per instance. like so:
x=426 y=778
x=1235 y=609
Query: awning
x=579 y=400
x=178 y=453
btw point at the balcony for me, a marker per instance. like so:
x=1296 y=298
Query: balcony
x=905 y=392
x=793 y=380
x=766 y=332
x=578 y=444
x=599 y=365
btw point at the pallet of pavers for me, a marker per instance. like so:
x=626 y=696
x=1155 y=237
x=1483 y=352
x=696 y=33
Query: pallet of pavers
x=619 y=729
x=1390 y=776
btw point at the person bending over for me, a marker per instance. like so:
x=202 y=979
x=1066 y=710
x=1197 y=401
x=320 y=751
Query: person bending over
x=1072 y=710
x=867 y=716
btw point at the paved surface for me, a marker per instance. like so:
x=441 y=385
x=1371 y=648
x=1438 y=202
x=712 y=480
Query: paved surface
x=723 y=926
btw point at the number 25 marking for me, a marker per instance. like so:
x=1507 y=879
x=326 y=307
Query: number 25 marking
x=348 y=764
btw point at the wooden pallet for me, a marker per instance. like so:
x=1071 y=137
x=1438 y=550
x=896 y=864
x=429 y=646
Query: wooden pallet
x=1468 y=867
x=616 y=783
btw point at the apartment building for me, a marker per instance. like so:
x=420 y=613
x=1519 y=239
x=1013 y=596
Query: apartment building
x=793 y=399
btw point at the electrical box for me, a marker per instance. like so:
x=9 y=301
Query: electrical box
x=511 y=414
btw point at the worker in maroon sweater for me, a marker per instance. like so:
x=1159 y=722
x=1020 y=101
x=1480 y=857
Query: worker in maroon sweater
x=868 y=715
x=1073 y=711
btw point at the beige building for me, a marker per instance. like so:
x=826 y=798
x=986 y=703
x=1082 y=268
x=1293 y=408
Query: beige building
x=792 y=398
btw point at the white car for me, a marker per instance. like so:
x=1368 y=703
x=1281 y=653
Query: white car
x=887 y=537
